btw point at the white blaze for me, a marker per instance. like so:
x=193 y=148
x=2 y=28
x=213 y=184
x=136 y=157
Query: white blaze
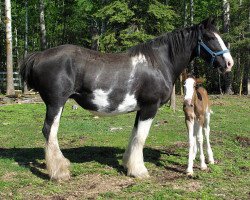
x=189 y=88
x=227 y=56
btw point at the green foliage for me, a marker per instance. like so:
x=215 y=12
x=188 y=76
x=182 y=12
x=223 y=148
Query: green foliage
x=116 y=25
x=163 y=15
x=116 y=12
x=128 y=23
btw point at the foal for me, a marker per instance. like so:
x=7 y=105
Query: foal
x=197 y=111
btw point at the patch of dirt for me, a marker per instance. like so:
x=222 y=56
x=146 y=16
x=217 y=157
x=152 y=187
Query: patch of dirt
x=8 y=176
x=95 y=184
x=175 y=177
x=170 y=150
x=219 y=103
x=244 y=141
x=168 y=175
x=20 y=99
x=190 y=186
x=88 y=187
x=161 y=122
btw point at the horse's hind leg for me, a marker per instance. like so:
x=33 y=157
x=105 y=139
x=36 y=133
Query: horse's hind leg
x=207 y=134
x=57 y=164
x=200 y=146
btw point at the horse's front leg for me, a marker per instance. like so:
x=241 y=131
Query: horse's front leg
x=57 y=164
x=192 y=143
x=133 y=157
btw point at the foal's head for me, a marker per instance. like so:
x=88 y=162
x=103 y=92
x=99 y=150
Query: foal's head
x=189 y=88
x=212 y=48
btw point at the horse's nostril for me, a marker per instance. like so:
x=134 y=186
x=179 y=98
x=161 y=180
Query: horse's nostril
x=228 y=63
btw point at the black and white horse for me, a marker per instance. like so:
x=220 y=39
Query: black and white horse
x=140 y=79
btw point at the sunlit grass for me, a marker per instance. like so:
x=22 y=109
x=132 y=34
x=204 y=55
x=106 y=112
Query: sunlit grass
x=95 y=153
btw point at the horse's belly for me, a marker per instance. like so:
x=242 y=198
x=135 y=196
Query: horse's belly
x=107 y=106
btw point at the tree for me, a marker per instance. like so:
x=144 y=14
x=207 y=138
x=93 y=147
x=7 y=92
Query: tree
x=226 y=21
x=25 y=87
x=9 y=62
x=42 y=25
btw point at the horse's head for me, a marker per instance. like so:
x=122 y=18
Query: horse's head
x=212 y=48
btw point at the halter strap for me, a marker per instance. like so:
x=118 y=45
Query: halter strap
x=213 y=54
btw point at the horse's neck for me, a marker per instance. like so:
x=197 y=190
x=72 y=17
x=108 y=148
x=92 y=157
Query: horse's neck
x=181 y=50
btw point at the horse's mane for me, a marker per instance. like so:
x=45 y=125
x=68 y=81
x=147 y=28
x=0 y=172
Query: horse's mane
x=173 y=39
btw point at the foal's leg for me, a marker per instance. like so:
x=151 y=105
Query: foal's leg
x=200 y=146
x=57 y=165
x=206 y=129
x=192 y=143
x=133 y=156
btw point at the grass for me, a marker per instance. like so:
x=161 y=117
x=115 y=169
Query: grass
x=95 y=148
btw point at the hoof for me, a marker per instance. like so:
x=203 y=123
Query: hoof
x=211 y=162
x=141 y=173
x=190 y=174
x=203 y=167
x=60 y=172
x=62 y=176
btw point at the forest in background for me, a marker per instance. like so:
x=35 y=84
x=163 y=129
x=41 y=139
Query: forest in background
x=116 y=25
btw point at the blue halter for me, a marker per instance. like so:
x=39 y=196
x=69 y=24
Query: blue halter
x=208 y=50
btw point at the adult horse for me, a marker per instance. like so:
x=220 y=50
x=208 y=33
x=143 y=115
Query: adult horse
x=140 y=79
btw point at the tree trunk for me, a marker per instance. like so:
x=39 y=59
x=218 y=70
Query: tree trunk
x=16 y=49
x=25 y=88
x=185 y=17
x=191 y=12
x=10 y=84
x=246 y=69
x=95 y=36
x=172 y=100
x=226 y=22
x=42 y=25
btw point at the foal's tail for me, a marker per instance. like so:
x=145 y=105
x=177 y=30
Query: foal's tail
x=26 y=68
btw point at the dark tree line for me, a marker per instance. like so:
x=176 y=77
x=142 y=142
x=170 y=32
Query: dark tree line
x=116 y=25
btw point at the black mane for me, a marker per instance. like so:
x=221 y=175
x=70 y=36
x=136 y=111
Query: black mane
x=173 y=39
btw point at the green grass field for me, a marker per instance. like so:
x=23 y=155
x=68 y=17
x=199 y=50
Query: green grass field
x=95 y=148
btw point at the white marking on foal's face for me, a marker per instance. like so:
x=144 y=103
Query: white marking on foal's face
x=138 y=59
x=129 y=104
x=227 y=56
x=101 y=99
x=189 y=88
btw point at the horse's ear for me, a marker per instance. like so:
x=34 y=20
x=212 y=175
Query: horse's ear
x=208 y=22
x=213 y=21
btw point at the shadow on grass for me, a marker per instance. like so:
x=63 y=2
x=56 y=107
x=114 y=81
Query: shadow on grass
x=27 y=157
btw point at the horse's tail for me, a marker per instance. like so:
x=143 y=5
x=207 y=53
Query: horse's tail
x=26 y=69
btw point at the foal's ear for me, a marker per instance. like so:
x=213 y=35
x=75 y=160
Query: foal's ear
x=199 y=80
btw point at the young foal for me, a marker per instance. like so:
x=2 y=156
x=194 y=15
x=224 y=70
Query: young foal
x=197 y=111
